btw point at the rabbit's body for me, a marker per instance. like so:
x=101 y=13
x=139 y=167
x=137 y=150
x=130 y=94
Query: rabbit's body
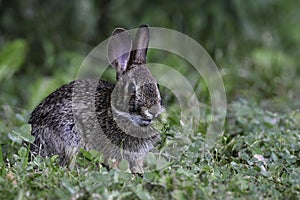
x=53 y=126
x=93 y=114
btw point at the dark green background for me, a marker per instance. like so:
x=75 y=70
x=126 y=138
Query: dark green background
x=255 y=44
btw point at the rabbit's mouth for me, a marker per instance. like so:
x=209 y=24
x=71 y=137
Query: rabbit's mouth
x=139 y=120
x=136 y=118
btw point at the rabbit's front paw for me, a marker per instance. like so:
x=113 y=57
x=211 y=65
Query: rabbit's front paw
x=137 y=167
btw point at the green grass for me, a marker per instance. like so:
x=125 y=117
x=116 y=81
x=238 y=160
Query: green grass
x=257 y=157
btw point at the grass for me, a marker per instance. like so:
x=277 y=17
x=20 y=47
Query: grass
x=257 y=157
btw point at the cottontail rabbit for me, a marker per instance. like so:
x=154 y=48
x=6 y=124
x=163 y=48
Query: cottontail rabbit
x=114 y=119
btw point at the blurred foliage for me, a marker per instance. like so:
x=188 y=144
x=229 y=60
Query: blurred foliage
x=253 y=43
x=11 y=57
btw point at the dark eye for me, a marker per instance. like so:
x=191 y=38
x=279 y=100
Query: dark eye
x=157 y=85
x=131 y=88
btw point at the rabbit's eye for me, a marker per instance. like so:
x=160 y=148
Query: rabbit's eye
x=158 y=86
x=131 y=88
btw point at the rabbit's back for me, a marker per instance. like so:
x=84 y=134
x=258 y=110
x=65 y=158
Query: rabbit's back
x=54 y=119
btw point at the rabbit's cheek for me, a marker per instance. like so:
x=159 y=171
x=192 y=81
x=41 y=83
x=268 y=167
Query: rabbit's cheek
x=132 y=106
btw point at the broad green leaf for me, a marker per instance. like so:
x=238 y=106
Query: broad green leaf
x=142 y=194
x=22 y=133
x=12 y=55
x=161 y=163
x=178 y=195
x=150 y=159
x=124 y=165
x=23 y=153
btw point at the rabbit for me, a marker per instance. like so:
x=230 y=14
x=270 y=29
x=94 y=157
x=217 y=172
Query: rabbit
x=114 y=119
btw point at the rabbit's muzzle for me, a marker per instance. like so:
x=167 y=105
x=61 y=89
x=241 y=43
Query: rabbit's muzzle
x=146 y=116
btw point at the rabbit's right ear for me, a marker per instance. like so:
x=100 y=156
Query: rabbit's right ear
x=119 y=48
x=140 y=45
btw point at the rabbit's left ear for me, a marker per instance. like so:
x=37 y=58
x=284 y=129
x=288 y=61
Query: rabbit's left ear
x=140 y=45
x=119 y=48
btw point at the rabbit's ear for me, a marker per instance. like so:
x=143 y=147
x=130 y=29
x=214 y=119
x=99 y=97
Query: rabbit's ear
x=119 y=48
x=140 y=45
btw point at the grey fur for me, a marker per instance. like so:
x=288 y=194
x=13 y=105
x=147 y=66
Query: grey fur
x=112 y=118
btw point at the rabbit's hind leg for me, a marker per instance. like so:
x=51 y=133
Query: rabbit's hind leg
x=48 y=143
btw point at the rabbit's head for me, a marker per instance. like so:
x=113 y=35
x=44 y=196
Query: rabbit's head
x=136 y=95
